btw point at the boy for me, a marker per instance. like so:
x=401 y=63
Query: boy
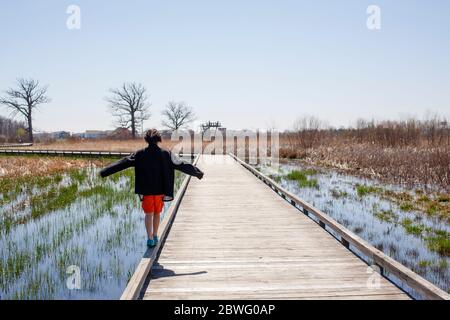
x=154 y=170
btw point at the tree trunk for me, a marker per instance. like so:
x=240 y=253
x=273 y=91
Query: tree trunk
x=133 y=126
x=30 y=128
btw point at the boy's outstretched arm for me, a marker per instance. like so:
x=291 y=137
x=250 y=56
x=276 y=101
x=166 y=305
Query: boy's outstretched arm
x=185 y=167
x=117 y=166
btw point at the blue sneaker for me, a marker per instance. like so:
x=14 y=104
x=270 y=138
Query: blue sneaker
x=150 y=243
x=155 y=240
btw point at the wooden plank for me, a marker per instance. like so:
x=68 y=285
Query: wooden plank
x=234 y=238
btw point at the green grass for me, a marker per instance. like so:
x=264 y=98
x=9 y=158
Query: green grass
x=54 y=199
x=310 y=172
x=411 y=228
x=436 y=240
x=406 y=206
x=301 y=176
x=296 y=175
x=432 y=209
x=363 y=190
x=386 y=215
x=425 y=263
x=436 y=205
x=10 y=188
x=439 y=243
x=423 y=198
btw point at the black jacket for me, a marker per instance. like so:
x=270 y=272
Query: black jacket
x=154 y=170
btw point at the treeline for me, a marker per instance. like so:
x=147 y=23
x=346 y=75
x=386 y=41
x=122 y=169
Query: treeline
x=309 y=132
x=11 y=131
x=412 y=132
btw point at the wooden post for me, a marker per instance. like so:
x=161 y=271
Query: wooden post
x=345 y=243
x=381 y=269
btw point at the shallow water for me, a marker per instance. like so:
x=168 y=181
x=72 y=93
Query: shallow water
x=336 y=195
x=97 y=239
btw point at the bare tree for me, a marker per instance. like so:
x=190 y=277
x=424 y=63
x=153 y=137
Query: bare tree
x=307 y=130
x=25 y=99
x=177 y=115
x=129 y=104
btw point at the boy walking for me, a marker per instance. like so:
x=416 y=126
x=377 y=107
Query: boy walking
x=154 y=178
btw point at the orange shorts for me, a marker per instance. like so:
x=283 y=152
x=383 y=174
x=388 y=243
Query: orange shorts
x=153 y=204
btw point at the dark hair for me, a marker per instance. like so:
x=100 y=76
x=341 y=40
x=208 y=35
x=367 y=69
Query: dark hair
x=152 y=136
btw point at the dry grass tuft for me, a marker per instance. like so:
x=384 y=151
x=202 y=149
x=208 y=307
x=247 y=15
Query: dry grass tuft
x=21 y=166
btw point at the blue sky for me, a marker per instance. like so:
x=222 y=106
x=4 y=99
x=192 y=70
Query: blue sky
x=248 y=64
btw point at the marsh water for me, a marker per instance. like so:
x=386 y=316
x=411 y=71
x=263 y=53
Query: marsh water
x=70 y=235
x=417 y=239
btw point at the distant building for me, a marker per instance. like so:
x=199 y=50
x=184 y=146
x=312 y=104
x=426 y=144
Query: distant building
x=95 y=134
x=79 y=135
x=58 y=135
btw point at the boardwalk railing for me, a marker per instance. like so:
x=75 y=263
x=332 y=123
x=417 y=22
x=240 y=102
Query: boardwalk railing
x=387 y=265
x=63 y=152
x=134 y=286
x=16 y=145
x=89 y=153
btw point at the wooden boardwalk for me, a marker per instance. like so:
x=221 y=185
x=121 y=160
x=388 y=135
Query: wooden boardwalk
x=234 y=238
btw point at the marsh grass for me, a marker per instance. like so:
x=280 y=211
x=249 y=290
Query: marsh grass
x=70 y=217
x=437 y=204
x=406 y=206
x=336 y=193
x=386 y=215
x=411 y=228
x=21 y=260
x=302 y=179
x=363 y=190
x=439 y=241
